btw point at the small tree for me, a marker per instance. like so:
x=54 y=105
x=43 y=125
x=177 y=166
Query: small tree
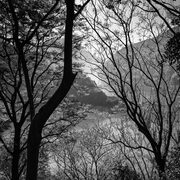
x=86 y=155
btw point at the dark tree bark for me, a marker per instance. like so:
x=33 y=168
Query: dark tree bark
x=16 y=153
x=161 y=163
x=34 y=137
x=20 y=38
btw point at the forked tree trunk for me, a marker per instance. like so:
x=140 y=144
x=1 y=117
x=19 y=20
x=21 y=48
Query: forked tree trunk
x=34 y=137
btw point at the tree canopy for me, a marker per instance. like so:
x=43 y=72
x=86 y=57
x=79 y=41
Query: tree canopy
x=133 y=49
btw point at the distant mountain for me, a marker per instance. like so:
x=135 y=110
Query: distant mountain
x=86 y=91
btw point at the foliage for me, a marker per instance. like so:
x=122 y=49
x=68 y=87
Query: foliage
x=29 y=14
x=44 y=170
x=125 y=173
x=5 y=164
x=173 y=166
x=86 y=91
x=172 y=51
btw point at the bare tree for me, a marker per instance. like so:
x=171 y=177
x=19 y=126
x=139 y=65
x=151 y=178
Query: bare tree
x=172 y=12
x=131 y=144
x=86 y=155
x=137 y=73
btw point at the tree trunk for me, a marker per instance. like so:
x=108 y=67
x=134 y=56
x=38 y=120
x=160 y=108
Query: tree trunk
x=16 y=153
x=34 y=137
x=161 y=168
x=34 y=140
x=161 y=172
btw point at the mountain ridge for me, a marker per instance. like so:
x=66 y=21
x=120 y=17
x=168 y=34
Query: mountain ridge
x=86 y=91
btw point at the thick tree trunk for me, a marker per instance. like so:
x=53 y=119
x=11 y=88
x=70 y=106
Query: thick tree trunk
x=34 y=140
x=16 y=154
x=160 y=160
x=34 y=137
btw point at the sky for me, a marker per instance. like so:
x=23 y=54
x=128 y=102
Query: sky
x=136 y=37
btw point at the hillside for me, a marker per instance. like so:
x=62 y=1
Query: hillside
x=86 y=91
